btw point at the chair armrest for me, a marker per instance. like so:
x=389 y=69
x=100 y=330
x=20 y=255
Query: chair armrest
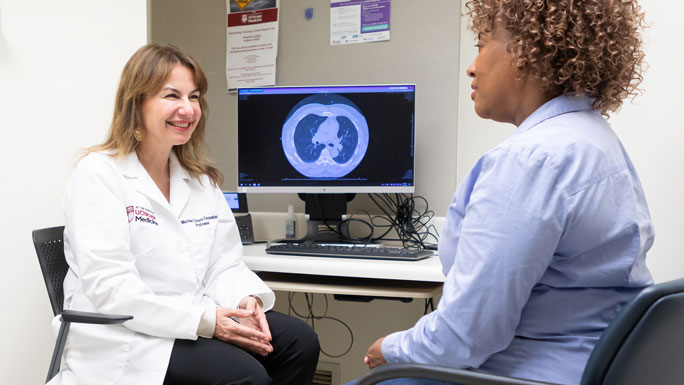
x=93 y=318
x=464 y=377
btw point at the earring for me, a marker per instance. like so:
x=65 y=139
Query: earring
x=138 y=134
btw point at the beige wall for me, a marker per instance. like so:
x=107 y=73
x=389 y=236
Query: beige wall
x=423 y=50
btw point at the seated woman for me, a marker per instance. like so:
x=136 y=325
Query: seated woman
x=149 y=233
x=545 y=239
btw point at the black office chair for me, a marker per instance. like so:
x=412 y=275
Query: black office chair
x=643 y=345
x=50 y=250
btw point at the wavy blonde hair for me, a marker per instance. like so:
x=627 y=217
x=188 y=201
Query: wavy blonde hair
x=145 y=74
x=573 y=47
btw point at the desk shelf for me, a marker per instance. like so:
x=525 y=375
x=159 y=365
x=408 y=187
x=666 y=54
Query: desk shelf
x=347 y=276
x=351 y=286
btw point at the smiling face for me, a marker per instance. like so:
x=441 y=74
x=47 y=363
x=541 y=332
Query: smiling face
x=501 y=91
x=171 y=115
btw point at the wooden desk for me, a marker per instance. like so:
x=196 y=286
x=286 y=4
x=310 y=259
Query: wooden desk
x=362 y=277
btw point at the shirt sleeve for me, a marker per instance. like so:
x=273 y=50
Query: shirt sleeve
x=97 y=236
x=228 y=279
x=512 y=223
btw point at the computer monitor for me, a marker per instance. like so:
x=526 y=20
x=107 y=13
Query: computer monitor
x=329 y=141
x=236 y=201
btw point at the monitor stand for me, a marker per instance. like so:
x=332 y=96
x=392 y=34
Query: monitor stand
x=325 y=216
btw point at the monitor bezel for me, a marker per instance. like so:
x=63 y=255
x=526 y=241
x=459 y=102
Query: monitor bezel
x=327 y=189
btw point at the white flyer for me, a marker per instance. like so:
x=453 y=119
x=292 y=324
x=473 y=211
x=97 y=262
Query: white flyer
x=251 y=43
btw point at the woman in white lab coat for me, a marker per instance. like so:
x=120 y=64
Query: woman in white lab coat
x=148 y=233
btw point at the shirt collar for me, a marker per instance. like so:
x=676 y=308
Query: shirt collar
x=554 y=107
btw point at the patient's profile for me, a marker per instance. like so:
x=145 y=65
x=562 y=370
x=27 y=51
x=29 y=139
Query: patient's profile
x=546 y=237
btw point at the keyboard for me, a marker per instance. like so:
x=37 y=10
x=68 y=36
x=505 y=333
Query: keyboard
x=348 y=251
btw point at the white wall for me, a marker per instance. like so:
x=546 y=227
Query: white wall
x=651 y=129
x=59 y=67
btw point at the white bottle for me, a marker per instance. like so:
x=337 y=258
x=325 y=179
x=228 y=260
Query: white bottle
x=290 y=223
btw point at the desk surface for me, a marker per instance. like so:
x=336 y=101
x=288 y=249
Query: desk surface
x=426 y=270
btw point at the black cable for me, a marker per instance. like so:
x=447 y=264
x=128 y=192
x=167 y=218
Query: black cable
x=369 y=223
x=309 y=304
x=401 y=213
x=346 y=237
x=322 y=216
x=429 y=304
x=312 y=317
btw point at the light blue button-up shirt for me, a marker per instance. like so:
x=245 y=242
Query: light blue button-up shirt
x=544 y=242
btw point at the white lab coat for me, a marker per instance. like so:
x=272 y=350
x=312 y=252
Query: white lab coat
x=132 y=252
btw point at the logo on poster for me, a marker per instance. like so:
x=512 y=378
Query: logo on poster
x=242 y=3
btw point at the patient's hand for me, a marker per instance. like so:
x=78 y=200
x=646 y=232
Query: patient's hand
x=244 y=336
x=374 y=356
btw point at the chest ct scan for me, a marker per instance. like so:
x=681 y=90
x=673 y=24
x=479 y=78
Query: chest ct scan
x=325 y=136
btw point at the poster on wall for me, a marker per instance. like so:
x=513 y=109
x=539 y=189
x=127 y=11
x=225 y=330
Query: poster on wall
x=251 y=43
x=359 y=21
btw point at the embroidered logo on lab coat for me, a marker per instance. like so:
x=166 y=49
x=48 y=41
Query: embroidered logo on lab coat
x=141 y=214
x=131 y=214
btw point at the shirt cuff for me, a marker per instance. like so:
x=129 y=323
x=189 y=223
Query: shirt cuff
x=207 y=324
x=390 y=348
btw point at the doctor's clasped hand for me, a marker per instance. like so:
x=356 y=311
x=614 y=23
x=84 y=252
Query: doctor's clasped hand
x=245 y=327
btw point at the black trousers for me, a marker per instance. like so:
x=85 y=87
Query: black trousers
x=214 y=362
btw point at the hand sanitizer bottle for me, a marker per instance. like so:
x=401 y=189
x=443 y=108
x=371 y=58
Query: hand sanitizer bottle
x=290 y=224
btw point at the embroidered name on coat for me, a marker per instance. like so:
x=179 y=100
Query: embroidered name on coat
x=201 y=221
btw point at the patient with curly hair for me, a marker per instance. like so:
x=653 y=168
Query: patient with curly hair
x=545 y=239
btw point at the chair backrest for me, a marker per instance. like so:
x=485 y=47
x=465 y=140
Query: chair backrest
x=644 y=343
x=50 y=249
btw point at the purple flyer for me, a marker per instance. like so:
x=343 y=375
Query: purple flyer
x=359 y=21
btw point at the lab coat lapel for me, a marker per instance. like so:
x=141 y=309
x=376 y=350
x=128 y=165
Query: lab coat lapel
x=180 y=191
x=142 y=181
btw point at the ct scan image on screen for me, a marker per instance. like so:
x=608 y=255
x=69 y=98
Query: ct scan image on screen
x=325 y=136
x=326 y=139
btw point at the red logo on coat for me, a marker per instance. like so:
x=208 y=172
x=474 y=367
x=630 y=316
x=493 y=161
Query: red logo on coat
x=131 y=213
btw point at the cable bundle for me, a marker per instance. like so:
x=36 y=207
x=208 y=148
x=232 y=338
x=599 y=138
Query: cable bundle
x=401 y=214
x=410 y=222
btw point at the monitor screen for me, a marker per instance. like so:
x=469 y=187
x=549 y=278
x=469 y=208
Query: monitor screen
x=326 y=139
x=236 y=201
